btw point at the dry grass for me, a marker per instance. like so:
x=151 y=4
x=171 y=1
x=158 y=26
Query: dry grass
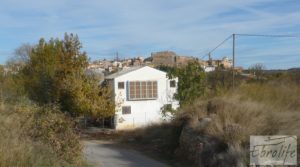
x=234 y=119
x=269 y=108
x=282 y=95
x=252 y=109
x=20 y=145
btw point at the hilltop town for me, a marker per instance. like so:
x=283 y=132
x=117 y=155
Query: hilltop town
x=163 y=58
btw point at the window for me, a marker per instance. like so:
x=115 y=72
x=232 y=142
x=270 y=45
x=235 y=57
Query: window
x=120 y=85
x=172 y=84
x=139 y=90
x=126 y=110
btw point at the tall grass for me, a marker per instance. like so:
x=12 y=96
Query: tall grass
x=23 y=140
x=224 y=121
x=282 y=95
x=252 y=109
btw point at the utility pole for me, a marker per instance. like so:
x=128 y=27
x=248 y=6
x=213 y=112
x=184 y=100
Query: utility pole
x=209 y=59
x=117 y=56
x=233 y=59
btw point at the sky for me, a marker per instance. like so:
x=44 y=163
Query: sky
x=139 y=27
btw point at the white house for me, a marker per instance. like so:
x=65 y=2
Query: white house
x=209 y=68
x=139 y=94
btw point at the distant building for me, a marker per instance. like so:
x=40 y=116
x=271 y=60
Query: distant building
x=209 y=68
x=139 y=61
x=184 y=60
x=238 y=69
x=211 y=65
x=167 y=58
x=226 y=62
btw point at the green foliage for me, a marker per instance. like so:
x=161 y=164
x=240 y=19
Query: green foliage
x=11 y=87
x=1 y=73
x=91 y=100
x=1 y=82
x=191 y=82
x=167 y=110
x=55 y=74
x=50 y=63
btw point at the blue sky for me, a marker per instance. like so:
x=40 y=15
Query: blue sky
x=139 y=27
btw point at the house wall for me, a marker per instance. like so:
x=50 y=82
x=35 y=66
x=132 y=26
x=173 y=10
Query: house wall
x=143 y=112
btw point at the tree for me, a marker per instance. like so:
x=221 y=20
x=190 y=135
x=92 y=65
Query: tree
x=219 y=81
x=11 y=84
x=1 y=73
x=1 y=83
x=55 y=74
x=20 y=58
x=23 y=52
x=257 y=70
x=191 y=82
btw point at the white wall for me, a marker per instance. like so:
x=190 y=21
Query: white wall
x=209 y=69
x=143 y=112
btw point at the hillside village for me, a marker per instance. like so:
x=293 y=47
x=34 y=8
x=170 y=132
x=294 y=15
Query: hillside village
x=140 y=105
x=142 y=83
x=163 y=58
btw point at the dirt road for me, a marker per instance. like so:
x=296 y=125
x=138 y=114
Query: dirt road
x=108 y=154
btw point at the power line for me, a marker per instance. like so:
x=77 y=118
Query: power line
x=220 y=44
x=251 y=35
x=208 y=54
x=203 y=57
x=269 y=35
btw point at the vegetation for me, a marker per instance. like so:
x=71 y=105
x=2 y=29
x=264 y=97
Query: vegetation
x=192 y=80
x=219 y=82
x=194 y=83
x=252 y=109
x=223 y=122
x=37 y=136
x=55 y=74
x=257 y=70
x=46 y=88
x=42 y=91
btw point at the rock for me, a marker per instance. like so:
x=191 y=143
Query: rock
x=206 y=151
x=131 y=140
x=203 y=122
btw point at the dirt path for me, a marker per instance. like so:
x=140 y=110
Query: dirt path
x=109 y=154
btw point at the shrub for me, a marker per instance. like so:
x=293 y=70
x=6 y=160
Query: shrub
x=252 y=109
x=29 y=138
x=53 y=128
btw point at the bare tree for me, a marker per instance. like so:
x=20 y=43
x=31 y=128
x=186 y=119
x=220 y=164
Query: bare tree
x=20 y=58
x=22 y=53
x=257 y=70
